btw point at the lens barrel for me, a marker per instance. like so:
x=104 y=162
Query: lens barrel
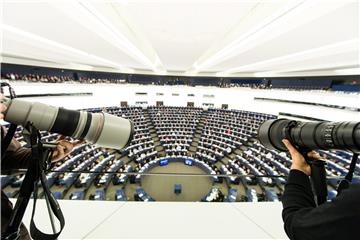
x=271 y=133
x=310 y=135
x=101 y=129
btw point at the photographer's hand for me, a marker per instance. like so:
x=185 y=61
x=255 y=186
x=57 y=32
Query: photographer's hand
x=298 y=160
x=63 y=149
x=2 y=108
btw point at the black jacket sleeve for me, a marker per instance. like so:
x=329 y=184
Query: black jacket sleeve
x=338 y=219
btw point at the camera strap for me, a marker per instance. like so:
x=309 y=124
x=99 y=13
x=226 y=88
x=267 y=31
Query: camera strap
x=35 y=173
x=55 y=208
x=5 y=142
x=318 y=179
x=49 y=198
x=345 y=183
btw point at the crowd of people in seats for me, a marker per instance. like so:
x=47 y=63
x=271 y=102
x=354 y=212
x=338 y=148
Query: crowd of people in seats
x=223 y=133
x=244 y=85
x=58 y=79
x=66 y=78
x=340 y=161
x=226 y=130
x=215 y=195
x=102 y=164
x=37 y=78
x=100 y=80
x=83 y=158
x=271 y=162
x=141 y=148
x=121 y=177
x=175 y=127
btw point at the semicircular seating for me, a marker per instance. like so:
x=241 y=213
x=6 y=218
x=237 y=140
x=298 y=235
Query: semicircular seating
x=218 y=141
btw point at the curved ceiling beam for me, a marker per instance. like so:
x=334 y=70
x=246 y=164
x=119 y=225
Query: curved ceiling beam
x=44 y=43
x=328 y=50
x=287 y=18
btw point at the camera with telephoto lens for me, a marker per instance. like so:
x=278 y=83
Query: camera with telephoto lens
x=101 y=129
x=310 y=135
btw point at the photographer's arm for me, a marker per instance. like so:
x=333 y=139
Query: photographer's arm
x=17 y=157
x=302 y=219
x=297 y=200
x=332 y=220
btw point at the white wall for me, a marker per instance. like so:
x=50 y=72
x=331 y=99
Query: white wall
x=163 y=220
x=236 y=98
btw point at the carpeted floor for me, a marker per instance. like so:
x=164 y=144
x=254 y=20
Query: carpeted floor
x=161 y=187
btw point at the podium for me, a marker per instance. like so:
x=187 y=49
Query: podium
x=177 y=188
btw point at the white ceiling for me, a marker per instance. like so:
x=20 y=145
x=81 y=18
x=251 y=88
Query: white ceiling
x=185 y=37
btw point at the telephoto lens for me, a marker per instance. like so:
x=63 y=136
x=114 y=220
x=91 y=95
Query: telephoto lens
x=310 y=135
x=101 y=129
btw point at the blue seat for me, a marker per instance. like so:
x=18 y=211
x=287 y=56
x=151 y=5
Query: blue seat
x=17 y=183
x=120 y=195
x=11 y=194
x=6 y=180
x=67 y=182
x=331 y=194
x=251 y=195
x=271 y=196
x=57 y=195
x=356 y=180
x=177 y=188
x=140 y=191
x=232 y=195
x=99 y=194
x=79 y=195
x=143 y=195
x=280 y=181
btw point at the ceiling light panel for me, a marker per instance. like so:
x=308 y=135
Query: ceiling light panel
x=118 y=38
x=45 y=20
x=280 y=23
x=331 y=29
x=331 y=50
x=19 y=42
x=337 y=61
x=180 y=31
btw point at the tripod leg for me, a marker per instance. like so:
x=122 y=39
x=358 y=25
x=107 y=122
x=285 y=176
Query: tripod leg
x=22 y=201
